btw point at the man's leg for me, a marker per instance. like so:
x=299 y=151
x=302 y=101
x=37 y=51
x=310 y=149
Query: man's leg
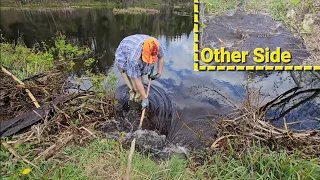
x=138 y=98
x=129 y=83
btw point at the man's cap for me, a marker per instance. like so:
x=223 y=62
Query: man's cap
x=150 y=51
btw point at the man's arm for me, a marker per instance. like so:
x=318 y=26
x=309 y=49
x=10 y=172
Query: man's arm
x=160 y=59
x=140 y=87
x=160 y=64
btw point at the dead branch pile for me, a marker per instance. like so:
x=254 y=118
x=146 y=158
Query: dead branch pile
x=248 y=124
x=13 y=99
x=62 y=119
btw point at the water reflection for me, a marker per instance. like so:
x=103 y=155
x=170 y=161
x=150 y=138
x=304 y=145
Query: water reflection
x=98 y=29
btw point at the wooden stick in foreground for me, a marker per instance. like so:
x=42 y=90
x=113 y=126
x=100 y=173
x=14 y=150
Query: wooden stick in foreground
x=133 y=143
x=129 y=167
x=35 y=102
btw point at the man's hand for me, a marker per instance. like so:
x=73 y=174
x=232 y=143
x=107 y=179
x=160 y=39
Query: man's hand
x=144 y=103
x=156 y=76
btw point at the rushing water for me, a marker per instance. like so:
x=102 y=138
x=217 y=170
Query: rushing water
x=191 y=93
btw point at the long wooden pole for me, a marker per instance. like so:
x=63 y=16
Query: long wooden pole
x=35 y=102
x=133 y=142
x=144 y=110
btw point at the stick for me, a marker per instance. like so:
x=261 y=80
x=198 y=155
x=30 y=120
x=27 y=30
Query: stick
x=35 y=102
x=144 y=110
x=286 y=127
x=45 y=152
x=10 y=149
x=214 y=145
x=133 y=143
x=134 y=139
x=41 y=88
x=89 y=132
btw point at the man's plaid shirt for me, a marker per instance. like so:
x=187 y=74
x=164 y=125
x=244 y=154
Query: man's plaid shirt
x=128 y=56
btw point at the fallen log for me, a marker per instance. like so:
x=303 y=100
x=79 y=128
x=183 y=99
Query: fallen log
x=23 y=121
x=14 y=125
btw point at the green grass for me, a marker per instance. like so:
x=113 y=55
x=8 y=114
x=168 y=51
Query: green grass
x=100 y=158
x=81 y=3
x=106 y=159
x=59 y=5
x=94 y=4
x=277 y=8
x=260 y=163
x=218 y=7
x=280 y=8
x=24 y=62
x=135 y=10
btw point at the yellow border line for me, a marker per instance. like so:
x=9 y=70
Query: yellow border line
x=197 y=67
x=257 y=68
x=196 y=18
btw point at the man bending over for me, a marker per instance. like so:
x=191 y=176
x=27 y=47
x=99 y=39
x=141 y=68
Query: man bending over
x=135 y=57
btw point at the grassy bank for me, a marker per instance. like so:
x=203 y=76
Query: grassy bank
x=67 y=145
x=25 y=62
x=101 y=159
x=153 y=4
x=106 y=159
x=135 y=10
x=54 y=4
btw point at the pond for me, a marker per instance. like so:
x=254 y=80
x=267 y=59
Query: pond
x=194 y=94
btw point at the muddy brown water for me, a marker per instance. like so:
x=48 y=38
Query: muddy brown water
x=181 y=95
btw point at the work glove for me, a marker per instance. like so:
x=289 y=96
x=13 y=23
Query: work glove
x=144 y=103
x=156 y=76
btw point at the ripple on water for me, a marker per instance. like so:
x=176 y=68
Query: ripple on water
x=164 y=117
